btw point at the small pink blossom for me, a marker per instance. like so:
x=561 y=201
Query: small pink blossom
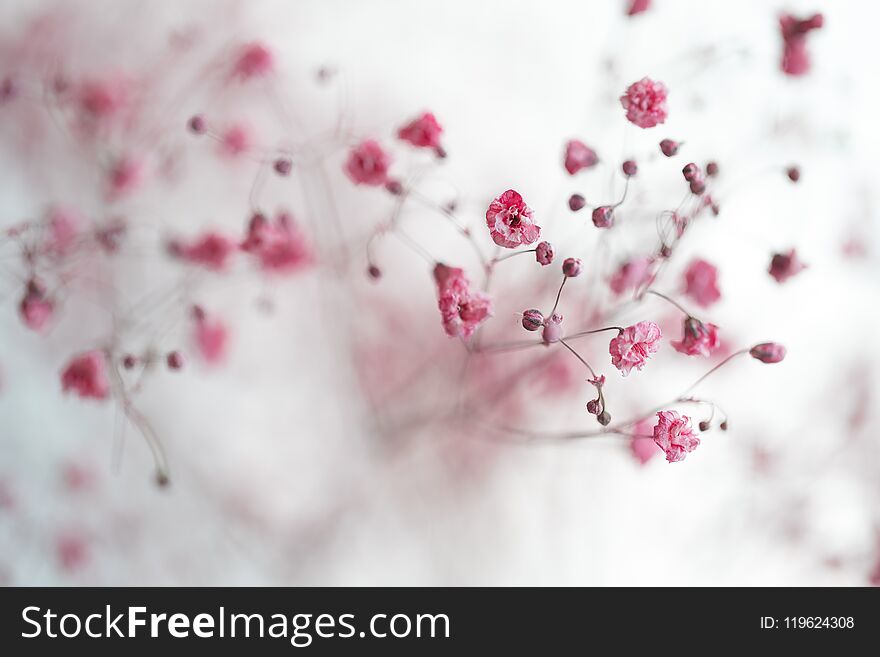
x=795 y=57
x=280 y=246
x=254 y=61
x=510 y=221
x=579 y=156
x=212 y=251
x=368 y=164
x=572 y=267
x=637 y=7
x=422 y=132
x=674 y=435
x=698 y=339
x=544 y=253
x=211 y=338
x=100 y=100
x=86 y=375
x=701 y=282
x=785 y=265
x=235 y=140
x=124 y=177
x=72 y=551
x=63 y=228
x=641 y=446
x=768 y=352
x=634 y=345
x=462 y=310
x=632 y=275
x=645 y=103
x=35 y=307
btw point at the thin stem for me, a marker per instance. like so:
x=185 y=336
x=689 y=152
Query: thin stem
x=713 y=370
x=578 y=356
x=672 y=301
x=622 y=198
x=510 y=255
x=583 y=333
x=558 y=294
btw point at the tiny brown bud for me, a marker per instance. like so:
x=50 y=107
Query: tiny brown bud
x=604 y=418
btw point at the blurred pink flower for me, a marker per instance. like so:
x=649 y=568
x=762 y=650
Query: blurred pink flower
x=795 y=58
x=368 y=164
x=785 y=265
x=579 y=156
x=86 y=375
x=35 y=307
x=255 y=60
x=645 y=103
x=462 y=311
x=631 y=275
x=212 y=338
x=212 y=251
x=422 y=132
x=768 y=352
x=640 y=444
x=701 y=282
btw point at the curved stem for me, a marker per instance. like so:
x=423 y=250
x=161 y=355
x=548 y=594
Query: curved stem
x=713 y=370
x=558 y=295
x=578 y=356
x=672 y=301
x=583 y=333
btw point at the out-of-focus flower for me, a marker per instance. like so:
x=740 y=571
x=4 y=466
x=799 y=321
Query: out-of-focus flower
x=645 y=103
x=768 y=352
x=698 y=338
x=785 y=265
x=795 y=58
x=368 y=164
x=462 y=310
x=701 y=282
x=86 y=375
x=631 y=275
x=422 y=132
x=579 y=156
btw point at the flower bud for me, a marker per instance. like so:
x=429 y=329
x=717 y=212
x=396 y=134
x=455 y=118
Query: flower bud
x=129 y=361
x=697 y=186
x=690 y=171
x=532 y=319
x=374 y=272
x=704 y=425
x=712 y=169
x=630 y=168
x=283 y=166
x=572 y=267
x=593 y=407
x=723 y=425
x=604 y=418
x=174 y=359
x=552 y=329
x=768 y=352
x=603 y=216
x=669 y=147
x=198 y=125
x=544 y=253
x=793 y=173
x=394 y=187
x=576 y=202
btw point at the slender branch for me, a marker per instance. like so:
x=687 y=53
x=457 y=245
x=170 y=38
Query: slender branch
x=579 y=357
x=558 y=294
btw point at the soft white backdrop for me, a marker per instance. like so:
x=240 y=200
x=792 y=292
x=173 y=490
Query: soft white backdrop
x=276 y=481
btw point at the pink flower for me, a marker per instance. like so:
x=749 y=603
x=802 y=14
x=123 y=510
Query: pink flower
x=768 y=352
x=255 y=60
x=544 y=253
x=235 y=140
x=212 y=338
x=510 y=221
x=640 y=445
x=102 y=99
x=211 y=250
x=632 y=275
x=701 y=282
x=637 y=7
x=86 y=375
x=572 y=267
x=634 y=345
x=579 y=156
x=422 y=132
x=645 y=103
x=785 y=265
x=462 y=310
x=280 y=246
x=63 y=229
x=795 y=58
x=125 y=176
x=35 y=308
x=368 y=164
x=698 y=339
x=674 y=435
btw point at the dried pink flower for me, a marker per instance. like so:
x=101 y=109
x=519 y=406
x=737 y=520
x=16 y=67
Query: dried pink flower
x=645 y=103
x=603 y=216
x=86 y=375
x=634 y=345
x=698 y=338
x=795 y=58
x=572 y=267
x=576 y=202
x=785 y=265
x=701 y=282
x=669 y=147
x=462 y=310
x=637 y=7
x=630 y=168
x=768 y=352
x=674 y=435
x=510 y=221
x=63 y=228
x=235 y=140
x=279 y=246
x=579 y=156
x=544 y=253
x=422 y=132
x=368 y=164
